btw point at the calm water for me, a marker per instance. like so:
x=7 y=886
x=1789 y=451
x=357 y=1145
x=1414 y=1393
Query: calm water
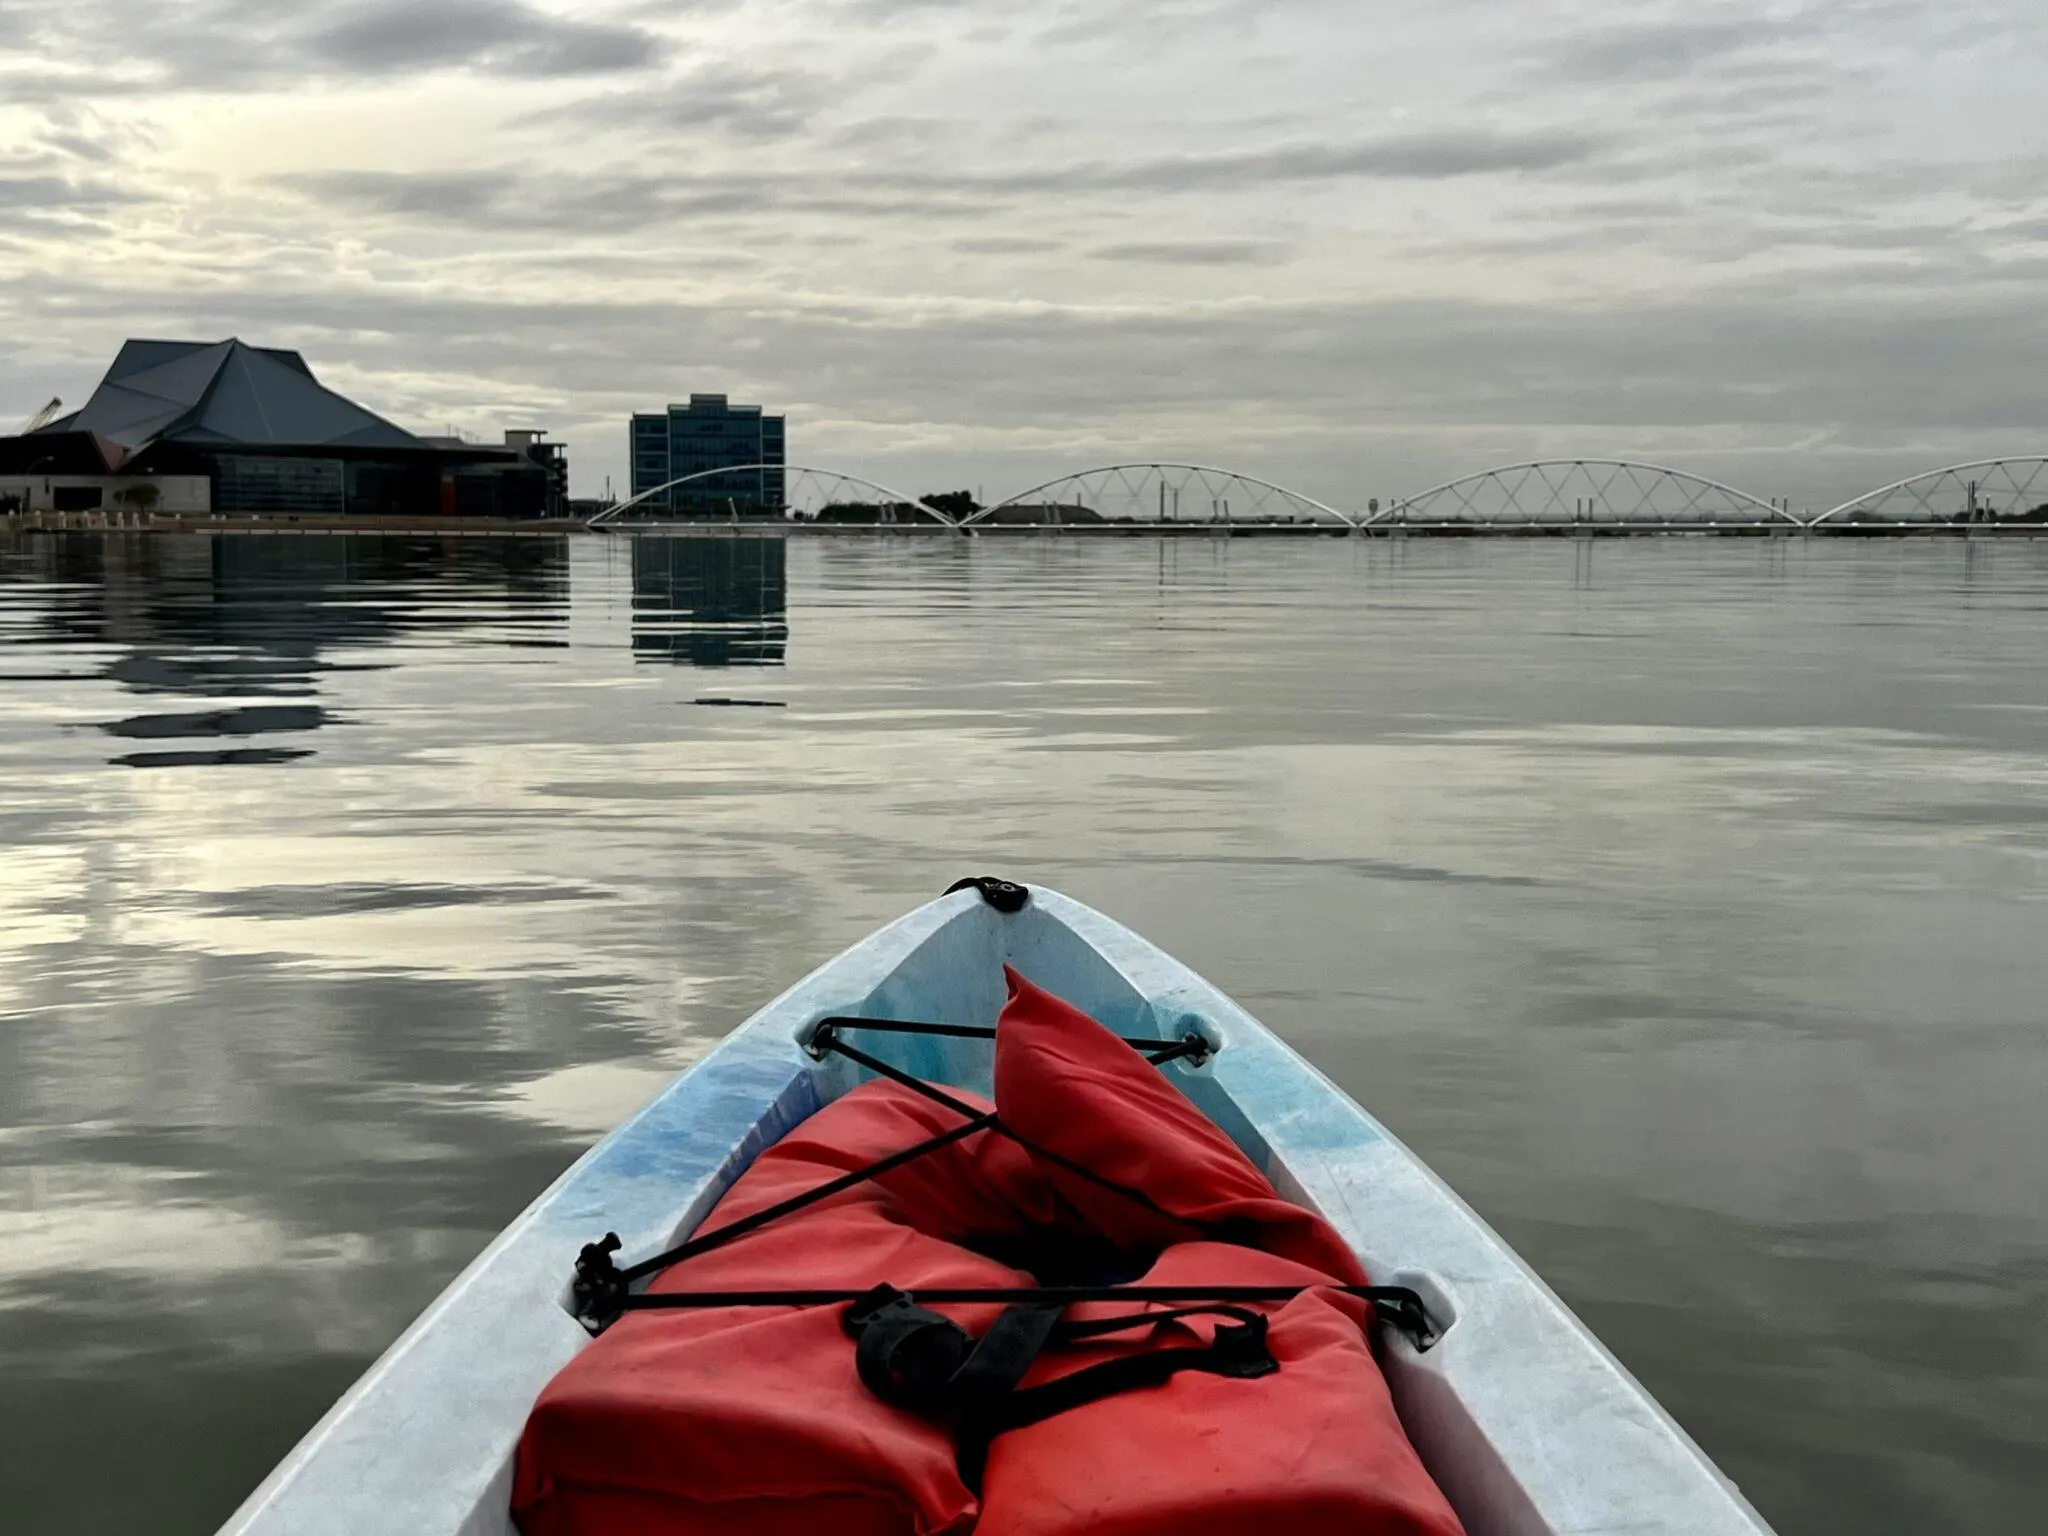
x=1682 y=902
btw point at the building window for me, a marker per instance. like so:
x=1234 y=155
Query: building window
x=249 y=483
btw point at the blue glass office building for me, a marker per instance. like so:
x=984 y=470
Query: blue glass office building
x=711 y=434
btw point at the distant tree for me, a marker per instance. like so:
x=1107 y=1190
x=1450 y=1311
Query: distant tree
x=141 y=497
x=955 y=504
x=869 y=512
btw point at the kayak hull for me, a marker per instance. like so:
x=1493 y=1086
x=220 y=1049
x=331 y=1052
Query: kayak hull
x=1527 y=1423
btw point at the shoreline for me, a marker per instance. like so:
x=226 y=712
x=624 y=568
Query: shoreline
x=488 y=527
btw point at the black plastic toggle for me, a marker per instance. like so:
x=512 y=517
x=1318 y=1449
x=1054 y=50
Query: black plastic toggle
x=1402 y=1310
x=599 y=1291
x=1003 y=895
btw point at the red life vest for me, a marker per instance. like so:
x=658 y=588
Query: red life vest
x=755 y=1421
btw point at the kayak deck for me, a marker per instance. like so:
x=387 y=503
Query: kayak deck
x=1523 y=1418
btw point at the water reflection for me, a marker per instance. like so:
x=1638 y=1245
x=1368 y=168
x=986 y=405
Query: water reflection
x=248 y=720
x=260 y=616
x=277 y=599
x=711 y=602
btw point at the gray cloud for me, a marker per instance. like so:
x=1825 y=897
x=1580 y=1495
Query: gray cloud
x=70 y=131
x=1434 y=156
x=255 y=44
x=392 y=36
x=1003 y=245
x=1195 y=253
x=56 y=192
x=1809 y=40
x=462 y=196
x=509 y=203
x=613 y=199
x=1445 y=155
x=752 y=102
x=1661 y=50
x=892 y=131
x=1152 y=25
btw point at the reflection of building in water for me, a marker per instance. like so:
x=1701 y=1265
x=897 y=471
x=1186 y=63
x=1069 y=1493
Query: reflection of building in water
x=710 y=602
x=287 y=599
x=237 y=619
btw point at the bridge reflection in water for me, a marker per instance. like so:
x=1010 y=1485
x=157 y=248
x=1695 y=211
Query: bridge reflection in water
x=710 y=602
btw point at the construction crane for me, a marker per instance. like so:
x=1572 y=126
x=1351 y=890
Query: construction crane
x=48 y=413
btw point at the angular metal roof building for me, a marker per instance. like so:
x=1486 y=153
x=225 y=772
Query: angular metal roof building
x=224 y=392
x=256 y=432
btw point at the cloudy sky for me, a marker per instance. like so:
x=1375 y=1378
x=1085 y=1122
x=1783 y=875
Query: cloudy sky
x=1355 y=246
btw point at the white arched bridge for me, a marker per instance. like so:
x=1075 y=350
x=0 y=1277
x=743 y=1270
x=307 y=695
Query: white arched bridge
x=1547 y=492
x=1984 y=491
x=776 y=491
x=1162 y=493
x=1536 y=495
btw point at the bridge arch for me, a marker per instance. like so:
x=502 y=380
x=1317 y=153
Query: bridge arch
x=1548 y=492
x=805 y=489
x=1187 y=493
x=1984 y=490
